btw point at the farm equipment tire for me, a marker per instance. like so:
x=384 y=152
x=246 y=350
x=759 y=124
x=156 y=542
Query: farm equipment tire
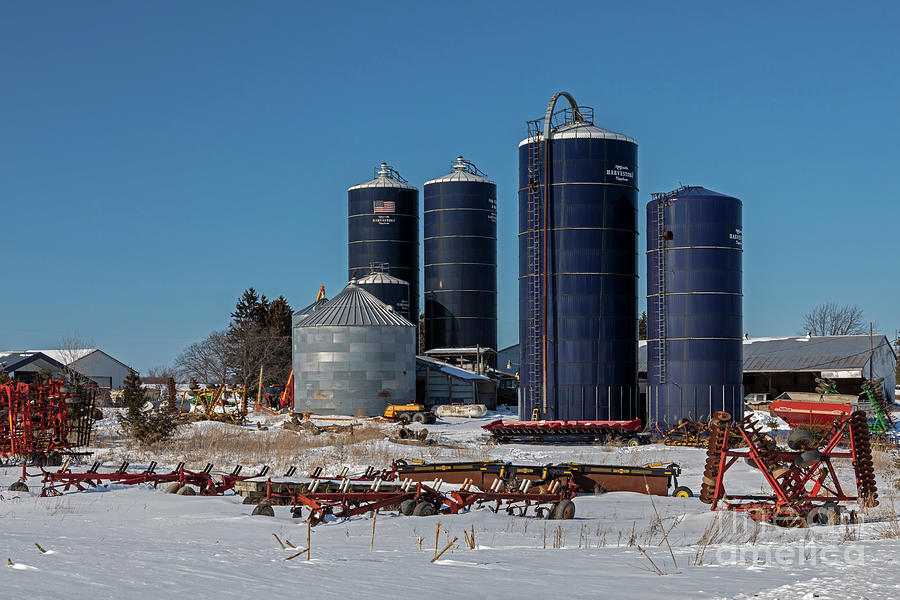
x=800 y=439
x=297 y=512
x=407 y=507
x=423 y=509
x=564 y=510
x=403 y=419
x=173 y=488
x=682 y=491
x=263 y=509
x=420 y=417
x=18 y=486
x=807 y=458
x=186 y=490
x=828 y=514
x=633 y=442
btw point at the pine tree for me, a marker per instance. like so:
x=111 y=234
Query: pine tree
x=278 y=317
x=251 y=308
x=146 y=426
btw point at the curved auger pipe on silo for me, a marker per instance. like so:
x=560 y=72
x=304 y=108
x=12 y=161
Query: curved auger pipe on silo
x=577 y=268
x=383 y=229
x=460 y=259
x=694 y=305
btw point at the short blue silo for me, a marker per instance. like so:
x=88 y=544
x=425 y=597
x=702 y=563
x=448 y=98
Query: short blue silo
x=694 y=305
x=577 y=269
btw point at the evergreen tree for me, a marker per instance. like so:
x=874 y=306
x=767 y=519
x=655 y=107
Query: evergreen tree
x=146 y=426
x=278 y=317
x=251 y=308
x=642 y=326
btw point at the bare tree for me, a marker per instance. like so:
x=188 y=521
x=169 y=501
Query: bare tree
x=71 y=347
x=252 y=346
x=831 y=318
x=206 y=361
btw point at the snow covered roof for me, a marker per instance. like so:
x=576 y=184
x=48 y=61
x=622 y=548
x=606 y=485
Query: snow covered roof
x=450 y=369
x=354 y=306
x=12 y=360
x=460 y=172
x=67 y=357
x=580 y=131
x=386 y=177
x=380 y=277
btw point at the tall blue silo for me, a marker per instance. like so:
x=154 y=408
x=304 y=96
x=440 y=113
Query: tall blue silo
x=694 y=305
x=460 y=259
x=383 y=227
x=577 y=269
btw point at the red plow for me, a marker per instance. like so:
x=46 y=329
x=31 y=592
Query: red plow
x=805 y=485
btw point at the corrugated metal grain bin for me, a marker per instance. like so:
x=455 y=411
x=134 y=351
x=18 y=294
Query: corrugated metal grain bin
x=354 y=356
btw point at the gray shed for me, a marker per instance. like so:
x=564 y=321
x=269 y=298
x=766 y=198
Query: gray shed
x=353 y=356
x=447 y=384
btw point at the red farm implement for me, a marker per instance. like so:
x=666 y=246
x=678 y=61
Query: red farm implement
x=804 y=480
x=566 y=432
x=416 y=499
x=178 y=480
x=41 y=421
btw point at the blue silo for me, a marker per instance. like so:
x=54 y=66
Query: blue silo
x=577 y=269
x=694 y=305
x=461 y=259
x=383 y=230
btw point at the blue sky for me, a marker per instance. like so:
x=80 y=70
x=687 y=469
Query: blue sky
x=159 y=158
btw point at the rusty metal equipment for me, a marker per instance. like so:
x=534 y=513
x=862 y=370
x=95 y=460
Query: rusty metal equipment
x=214 y=404
x=63 y=480
x=567 y=432
x=584 y=478
x=42 y=421
x=419 y=499
x=804 y=482
x=687 y=433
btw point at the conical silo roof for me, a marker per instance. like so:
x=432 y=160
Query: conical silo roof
x=354 y=306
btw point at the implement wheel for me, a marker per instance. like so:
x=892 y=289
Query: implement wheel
x=407 y=507
x=564 y=510
x=186 y=491
x=633 y=442
x=173 y=488
x=18 y=486
x=423 y=509
x=263 y=509
x=403 y=419
x=420 y=417
x=682 y=491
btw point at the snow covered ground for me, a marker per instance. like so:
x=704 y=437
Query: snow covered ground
x=138 y=543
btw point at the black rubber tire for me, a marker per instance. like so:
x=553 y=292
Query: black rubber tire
x=407 y=507
x=800 y=439
x=423 y=509
x=682 y=491
x=633 y=442
x=18 y=486
x=297 y=512
x=564 y=510
x=807 y=458
x=263 y=510
x=828 y=514
x=420 y=417
x=173 y=488
x=186 y=490
x=403 y=419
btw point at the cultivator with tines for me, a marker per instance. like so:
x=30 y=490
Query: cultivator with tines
x=804 y=482
x=41 y=421
x=687 y=433
x=179 y=480
x=418 y=499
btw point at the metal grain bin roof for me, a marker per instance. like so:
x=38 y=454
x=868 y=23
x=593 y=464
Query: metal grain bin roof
x=387 y=177
x=464 y=171
x=581 y=131
x=380 y=277
x=354 y=306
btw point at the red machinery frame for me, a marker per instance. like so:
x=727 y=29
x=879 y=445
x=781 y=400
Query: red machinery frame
x=797 y=487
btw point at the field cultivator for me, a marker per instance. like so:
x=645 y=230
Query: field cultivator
x=873 y=392
x=40 y=422
x=179 y=480
x=567 y=432
x=804 y=482
x=416 y=499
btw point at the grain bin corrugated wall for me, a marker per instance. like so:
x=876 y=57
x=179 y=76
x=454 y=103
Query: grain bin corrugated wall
x=354 y=356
